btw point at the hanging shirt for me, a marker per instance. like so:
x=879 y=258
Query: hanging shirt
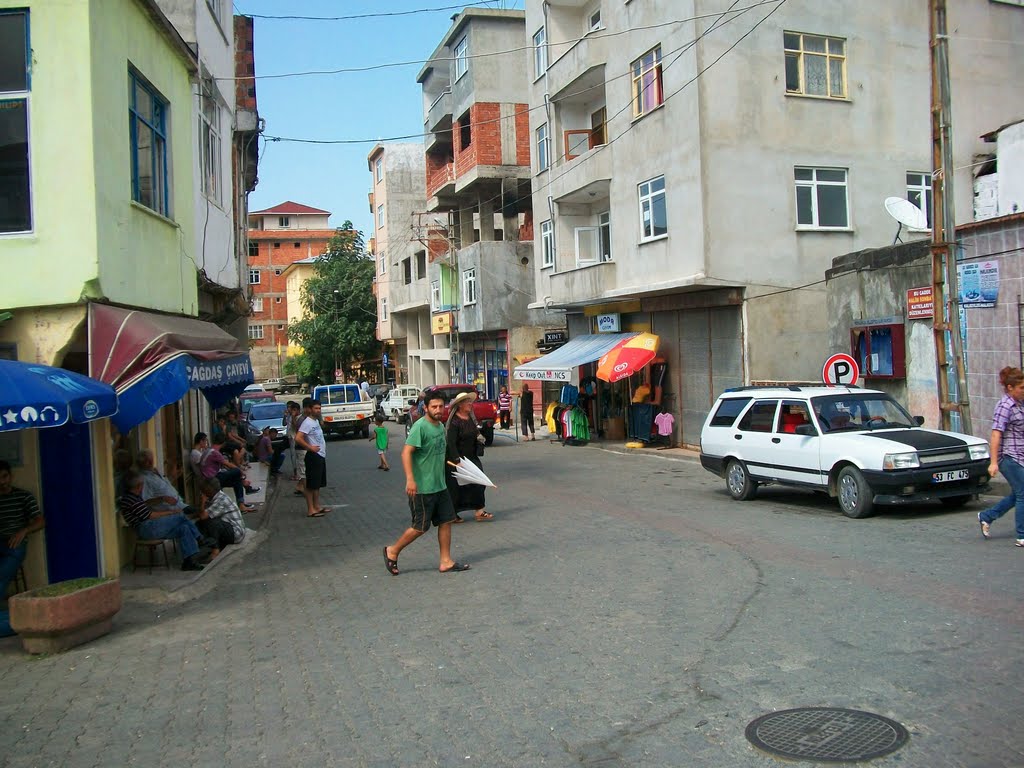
x=664 y=422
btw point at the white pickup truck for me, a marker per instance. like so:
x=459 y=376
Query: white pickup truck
x=344 y=409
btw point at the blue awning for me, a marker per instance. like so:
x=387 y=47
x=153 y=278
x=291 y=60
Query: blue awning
x=559 y=365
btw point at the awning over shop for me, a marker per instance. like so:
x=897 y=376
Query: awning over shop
x=558 y=365
x=153 y=360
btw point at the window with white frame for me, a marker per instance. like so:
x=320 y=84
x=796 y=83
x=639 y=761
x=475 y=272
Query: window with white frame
x=821 y=199
x=469 y=286
x=540 y=52
x=588 y=245
x=435 y=295
x=277 y=272
x=383 y=309
x=257 y=303
x=209 y=140
x=604 y=226
x=277 y=299
x=15 y=84
x=283 y=222
x=216 y=9
x=647 y=85
x=379 y=167
x=594 y=19
x=461 y=57
x=254 y=248
x=147 y=130
x=543 y=147
x=653 y=213
x=547 y=244
x=919 y=192
x=380 y=216
x=254 y=277
x=382 y=262
x=815 y=65
x=280 y=327
x=255 y=332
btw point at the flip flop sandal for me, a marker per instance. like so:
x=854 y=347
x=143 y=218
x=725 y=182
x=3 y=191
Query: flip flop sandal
x=484 y=517
x=317 y=514
x=391 y=565
x=457 y=568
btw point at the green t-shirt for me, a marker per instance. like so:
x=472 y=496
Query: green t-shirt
x=381 y=434
x=428 y=458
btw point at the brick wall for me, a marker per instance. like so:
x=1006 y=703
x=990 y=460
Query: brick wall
x=245 y=88
x=523 y=139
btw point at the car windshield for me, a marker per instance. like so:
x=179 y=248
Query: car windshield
x=337 y=395
x=859 y=412
x=262 y=412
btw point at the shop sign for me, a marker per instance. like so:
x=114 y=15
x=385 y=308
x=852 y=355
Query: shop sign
x=979 y=283
x=441 y=323
x=555 y=337
x=554 y=374
x=919 y=303
x=608 y=323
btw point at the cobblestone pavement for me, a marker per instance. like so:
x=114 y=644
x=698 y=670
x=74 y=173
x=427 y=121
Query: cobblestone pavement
x=621 y=611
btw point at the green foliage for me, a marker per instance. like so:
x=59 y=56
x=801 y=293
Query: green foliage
x=299 y=366
x=67 y=587
x=341 y=311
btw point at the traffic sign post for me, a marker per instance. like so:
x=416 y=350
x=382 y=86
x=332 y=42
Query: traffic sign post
x=840 y=370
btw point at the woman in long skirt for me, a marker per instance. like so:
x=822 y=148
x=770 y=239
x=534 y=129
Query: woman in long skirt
x=462 y=443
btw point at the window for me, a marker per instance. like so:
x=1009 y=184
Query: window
x=728 y=410
x=421 y=265
x=277 y=245
x=597 y=130
x=280 y=327
x=147 y=116
x=254 y=277
x=383 y=309
x=254 y=248
x=647 y=89
x=277 y=299
x=461 y=57
x=919 y=192
x=15 y=180
x=821 y=198
x=815 y=65
x=435 y=295
x=209 y=141
x=604 y=226
x=594 y=20
x=298 y=244
x=760 y=417
x=380 y=216
x=547 y=244
x=255 y=332
x=469 y=286
x=465 y=131
x=880 y=350
x=407 y=271
x=283 y=222
x=379 y=168
x=540 y=52
x=543 y=147
x=215 y=9
x=382 y=260
x=653 y=215
x=257 y=303
x=588 y=243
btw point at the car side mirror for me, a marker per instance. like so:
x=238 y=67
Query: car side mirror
x=807 y=430
x=919 y=420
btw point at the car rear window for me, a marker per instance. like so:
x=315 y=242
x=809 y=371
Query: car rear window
x=262 y=411
x=728 y=410
x=338 y=395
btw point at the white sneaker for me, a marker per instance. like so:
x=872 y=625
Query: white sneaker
x=985 y=527
x=1020 y=543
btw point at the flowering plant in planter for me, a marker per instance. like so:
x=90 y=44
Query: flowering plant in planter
x=65 y=614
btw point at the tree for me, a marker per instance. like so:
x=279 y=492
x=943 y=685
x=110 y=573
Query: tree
x=339 y=329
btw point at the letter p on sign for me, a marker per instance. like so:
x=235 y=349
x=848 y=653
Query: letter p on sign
x=840 y=370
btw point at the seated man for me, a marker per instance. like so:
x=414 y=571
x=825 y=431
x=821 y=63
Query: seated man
x=200 y=447
x=216 y=465
x=235 y=435
x=157 y=491
x=19 y=516
x=158 y=524
x=219 y=510
x=265 y=453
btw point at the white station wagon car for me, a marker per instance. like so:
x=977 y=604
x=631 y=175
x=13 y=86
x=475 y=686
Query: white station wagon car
x=858 y=445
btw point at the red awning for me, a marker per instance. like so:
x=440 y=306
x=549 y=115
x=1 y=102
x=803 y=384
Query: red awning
x=125 y=344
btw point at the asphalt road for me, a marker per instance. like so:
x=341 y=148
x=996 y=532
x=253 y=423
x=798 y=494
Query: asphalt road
x=621 y=611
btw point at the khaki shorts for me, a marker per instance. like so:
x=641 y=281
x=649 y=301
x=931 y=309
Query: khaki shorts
x=300 y=463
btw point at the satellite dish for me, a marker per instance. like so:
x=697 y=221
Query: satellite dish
x=905 y=212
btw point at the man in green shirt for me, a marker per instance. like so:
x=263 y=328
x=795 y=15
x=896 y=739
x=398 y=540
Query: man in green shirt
x=423 y=461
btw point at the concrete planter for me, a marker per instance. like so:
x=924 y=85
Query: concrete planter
x=51 y=623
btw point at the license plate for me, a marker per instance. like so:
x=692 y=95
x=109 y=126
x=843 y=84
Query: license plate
x=955 y=474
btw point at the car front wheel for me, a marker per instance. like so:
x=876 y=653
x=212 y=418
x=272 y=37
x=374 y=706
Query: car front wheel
x=738 y=482
x=855 y=496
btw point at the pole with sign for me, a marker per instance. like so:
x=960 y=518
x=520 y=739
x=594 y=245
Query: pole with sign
x=840 y=370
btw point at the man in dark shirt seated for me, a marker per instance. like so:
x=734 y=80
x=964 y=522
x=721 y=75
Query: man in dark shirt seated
x=158 y=524
x=19 y=516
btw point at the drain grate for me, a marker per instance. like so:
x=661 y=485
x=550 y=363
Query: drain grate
x=826 y=734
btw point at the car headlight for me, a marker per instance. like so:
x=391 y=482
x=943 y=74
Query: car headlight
x=979 y=452
x=900 y=461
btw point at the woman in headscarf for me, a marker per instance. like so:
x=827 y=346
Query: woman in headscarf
x=462 y=435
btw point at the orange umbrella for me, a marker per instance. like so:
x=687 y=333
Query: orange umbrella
x=627 y=357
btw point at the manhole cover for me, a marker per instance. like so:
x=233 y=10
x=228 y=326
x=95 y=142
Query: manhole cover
x=826 y=734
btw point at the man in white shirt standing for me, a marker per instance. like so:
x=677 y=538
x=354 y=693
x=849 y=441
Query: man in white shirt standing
x=310 y=438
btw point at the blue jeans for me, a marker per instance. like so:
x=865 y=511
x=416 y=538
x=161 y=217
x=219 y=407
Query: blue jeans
x=232 y=478
x=175 y=526
x=10 y=559
x=1014 y=474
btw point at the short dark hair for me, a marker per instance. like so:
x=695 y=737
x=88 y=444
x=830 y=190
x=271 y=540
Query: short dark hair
x=307 y=402
x=200 y=436
x=313 y=401
x=292 y=404
x=5 y=466
x=430 y=397
x=378 y=419
x=130 y=479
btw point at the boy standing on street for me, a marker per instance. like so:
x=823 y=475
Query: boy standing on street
x=311 y=439
x=380 y=434
x=423 y=461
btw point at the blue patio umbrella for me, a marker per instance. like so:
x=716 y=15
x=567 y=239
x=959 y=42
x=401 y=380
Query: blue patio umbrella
x=34 y=396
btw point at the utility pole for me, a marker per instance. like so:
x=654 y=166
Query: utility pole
x=945 y=290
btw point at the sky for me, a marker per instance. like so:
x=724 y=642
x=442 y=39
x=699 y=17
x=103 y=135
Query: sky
x=361 y=106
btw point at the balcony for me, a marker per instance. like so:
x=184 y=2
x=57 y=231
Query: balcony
x=585 y=285
x=583 y=172
x=439 y=115
x=441 y=181
x=578 y=68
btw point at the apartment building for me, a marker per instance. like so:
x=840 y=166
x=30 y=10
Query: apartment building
x=696 y=169
x=399 y=246
x=477 y=154
x=278 y=237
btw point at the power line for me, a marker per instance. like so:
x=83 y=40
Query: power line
x=367 y=15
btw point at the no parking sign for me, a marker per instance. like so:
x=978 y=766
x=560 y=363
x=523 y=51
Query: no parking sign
x=840 y=370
